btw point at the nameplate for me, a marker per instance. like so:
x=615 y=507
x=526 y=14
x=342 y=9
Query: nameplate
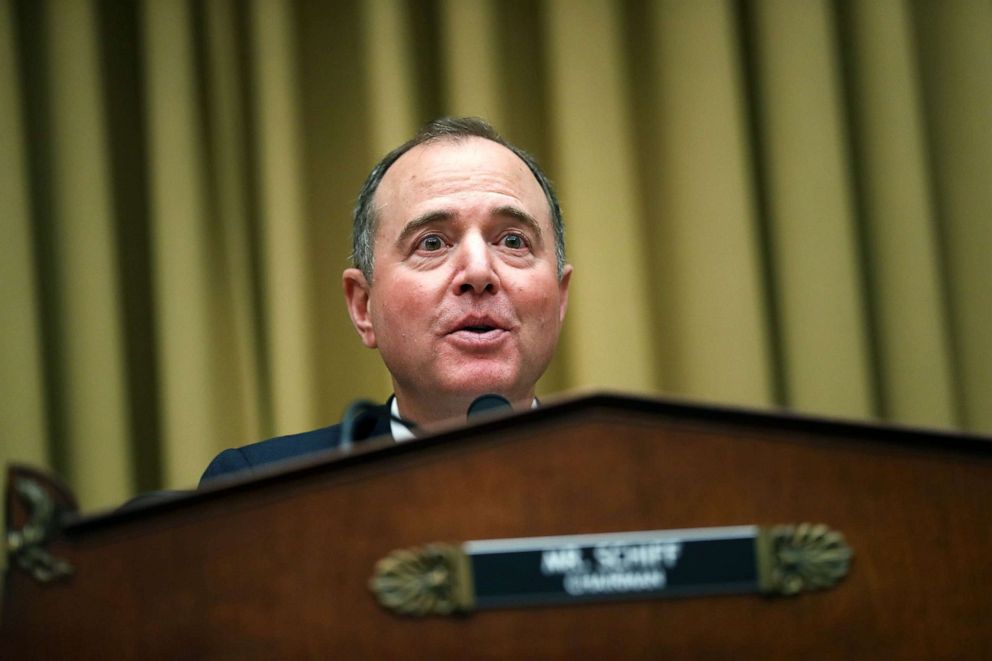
x=619 y=565
x=508 y=573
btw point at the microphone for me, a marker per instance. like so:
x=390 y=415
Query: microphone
x=356 y=411
x=487 y=403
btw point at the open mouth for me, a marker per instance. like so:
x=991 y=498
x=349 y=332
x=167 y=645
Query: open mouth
x=478 y=331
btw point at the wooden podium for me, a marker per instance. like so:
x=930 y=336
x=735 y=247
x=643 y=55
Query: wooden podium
x=278 y=565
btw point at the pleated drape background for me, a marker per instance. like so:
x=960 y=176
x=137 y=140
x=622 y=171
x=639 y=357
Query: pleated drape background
x=768 y=203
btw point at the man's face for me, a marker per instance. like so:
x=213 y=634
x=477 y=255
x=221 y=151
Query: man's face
x=465 y=298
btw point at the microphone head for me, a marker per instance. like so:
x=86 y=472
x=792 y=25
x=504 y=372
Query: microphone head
x=488 y=403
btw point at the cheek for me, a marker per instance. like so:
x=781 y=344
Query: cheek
x=540 y=306
x=406 y=305
x=412 y=300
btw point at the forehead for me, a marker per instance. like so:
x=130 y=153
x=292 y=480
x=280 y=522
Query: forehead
x=455 y=174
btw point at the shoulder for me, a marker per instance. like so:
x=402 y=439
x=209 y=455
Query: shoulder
x=252 y=456
x=372 y=422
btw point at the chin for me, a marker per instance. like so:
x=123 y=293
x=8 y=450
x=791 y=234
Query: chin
x=482 y=381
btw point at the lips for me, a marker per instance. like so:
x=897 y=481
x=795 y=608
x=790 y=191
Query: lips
x=478 y=331
x=478 y=325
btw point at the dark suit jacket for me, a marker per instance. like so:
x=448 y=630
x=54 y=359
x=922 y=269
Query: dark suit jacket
x=372 y=423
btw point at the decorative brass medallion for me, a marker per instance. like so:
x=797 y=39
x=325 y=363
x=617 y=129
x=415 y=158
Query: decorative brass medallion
x=431 y=580
x=801 y=558
x=25 y=547
x=440 y=579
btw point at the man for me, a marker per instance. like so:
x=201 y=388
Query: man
x=459 y=280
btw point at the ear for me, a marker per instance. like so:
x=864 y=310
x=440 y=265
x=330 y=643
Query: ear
x=566 y=277
x=357 y=294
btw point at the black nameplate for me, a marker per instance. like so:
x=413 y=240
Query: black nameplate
x=542 y=570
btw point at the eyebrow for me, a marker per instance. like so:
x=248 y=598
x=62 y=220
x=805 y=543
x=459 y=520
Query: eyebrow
x=443 y=215
x=522 y=216
x=425 y=219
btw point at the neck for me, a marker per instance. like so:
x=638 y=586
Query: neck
x=425 y=412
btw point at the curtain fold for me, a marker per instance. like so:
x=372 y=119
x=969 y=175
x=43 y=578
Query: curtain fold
x=243 y=385
x=284 y=230
x=768 y=203
x=955 y=52
x=183 y=243
x=609 y=322
x=471 y=59
x=391 y=101
x=895 y=200
x=814 y=258
x=712 y=317
x=22 y=393
x=84 y=308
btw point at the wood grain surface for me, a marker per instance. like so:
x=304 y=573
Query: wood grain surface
x=278 y=566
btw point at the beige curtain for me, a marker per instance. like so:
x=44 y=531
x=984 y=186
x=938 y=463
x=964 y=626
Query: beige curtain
x=771 y=203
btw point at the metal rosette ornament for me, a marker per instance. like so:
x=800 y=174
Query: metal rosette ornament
x=429 y=580
x=801 y=558
x=26 y=547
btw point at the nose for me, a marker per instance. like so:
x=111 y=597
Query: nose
x=476 y=273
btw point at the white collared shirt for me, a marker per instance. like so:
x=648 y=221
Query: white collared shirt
x=400 y=431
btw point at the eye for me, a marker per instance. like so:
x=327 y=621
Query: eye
x=431 y=243
x=514 y=241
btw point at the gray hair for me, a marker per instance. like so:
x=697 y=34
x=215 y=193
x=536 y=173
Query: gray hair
x=446 y=128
